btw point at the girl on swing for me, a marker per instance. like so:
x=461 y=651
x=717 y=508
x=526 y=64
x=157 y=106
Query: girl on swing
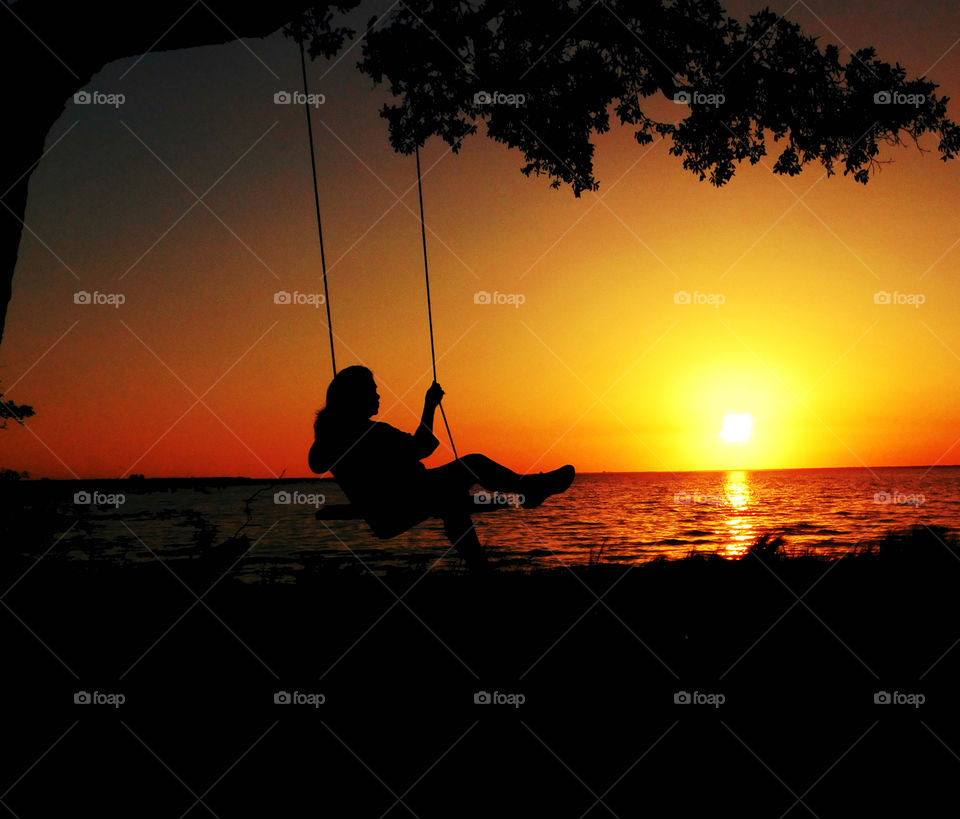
x=379 y=467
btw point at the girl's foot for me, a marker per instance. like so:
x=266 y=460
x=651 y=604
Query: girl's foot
x=537 y=488
x=474 y=556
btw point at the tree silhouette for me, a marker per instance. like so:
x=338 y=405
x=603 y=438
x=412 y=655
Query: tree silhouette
x=11 y=411
x=572 y=62
x=53 y=49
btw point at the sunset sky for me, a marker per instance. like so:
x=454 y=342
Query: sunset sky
x=599 y=367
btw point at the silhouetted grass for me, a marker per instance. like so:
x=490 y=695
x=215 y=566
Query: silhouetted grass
x=798 y=643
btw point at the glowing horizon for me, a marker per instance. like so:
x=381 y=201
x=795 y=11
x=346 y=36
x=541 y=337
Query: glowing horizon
x=645 y=318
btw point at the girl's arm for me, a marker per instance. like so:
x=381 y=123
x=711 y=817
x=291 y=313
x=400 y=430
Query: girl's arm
x=316 y=460
x=424 y=438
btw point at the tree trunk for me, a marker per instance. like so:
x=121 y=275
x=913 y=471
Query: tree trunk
x=52 y=50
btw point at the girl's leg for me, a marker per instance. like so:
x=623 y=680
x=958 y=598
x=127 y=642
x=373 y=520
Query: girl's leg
x=459 y=530
x=448 y=486
x=478 y=469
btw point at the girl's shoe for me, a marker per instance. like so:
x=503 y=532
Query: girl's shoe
x=474 y=556
x=537 y=488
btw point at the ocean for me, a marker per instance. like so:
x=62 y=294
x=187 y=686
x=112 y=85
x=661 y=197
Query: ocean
x=612 y=517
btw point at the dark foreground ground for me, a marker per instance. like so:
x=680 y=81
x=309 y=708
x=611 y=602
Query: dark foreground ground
x=764 y=687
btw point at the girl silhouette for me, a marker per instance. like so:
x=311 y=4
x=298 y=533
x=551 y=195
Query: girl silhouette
x=379 y=467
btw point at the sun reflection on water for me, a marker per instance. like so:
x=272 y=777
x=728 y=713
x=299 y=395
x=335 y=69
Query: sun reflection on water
x=739 y=530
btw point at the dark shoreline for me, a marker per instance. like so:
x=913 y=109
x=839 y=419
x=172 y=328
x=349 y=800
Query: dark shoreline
x=798 y=647
x=227 y=480
x=66 y=485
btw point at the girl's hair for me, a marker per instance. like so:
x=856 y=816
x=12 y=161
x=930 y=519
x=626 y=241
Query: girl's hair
x=345 y=394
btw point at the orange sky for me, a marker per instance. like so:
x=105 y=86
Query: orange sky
x=599 y=367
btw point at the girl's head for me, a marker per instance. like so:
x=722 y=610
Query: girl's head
x=352 y=395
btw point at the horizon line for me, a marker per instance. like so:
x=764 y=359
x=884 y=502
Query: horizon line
x=275 y=479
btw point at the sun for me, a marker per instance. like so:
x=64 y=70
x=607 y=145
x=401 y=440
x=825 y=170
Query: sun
x=737 y=428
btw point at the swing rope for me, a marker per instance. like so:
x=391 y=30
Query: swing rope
x=323 y=260
x=426 y=275
x=426 y=267
x=316 y=202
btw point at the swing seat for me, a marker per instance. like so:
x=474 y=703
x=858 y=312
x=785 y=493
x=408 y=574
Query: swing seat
x=338 y=511
x=347 y=511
